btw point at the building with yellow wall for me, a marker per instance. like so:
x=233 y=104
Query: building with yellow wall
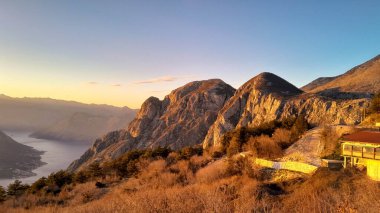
x=363 y=148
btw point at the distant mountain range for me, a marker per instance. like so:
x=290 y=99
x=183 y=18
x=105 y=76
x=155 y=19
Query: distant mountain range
x=61 y=120
x=17 y=160
x=201 y=112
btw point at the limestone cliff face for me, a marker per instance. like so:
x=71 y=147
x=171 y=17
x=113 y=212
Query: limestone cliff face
x=181 y=119
x=268 y=97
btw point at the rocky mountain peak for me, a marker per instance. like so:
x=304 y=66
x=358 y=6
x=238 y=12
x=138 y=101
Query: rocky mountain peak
x=181 y=119
x=270 y=83
x=150 y=108
x=206 y=110
x=212 y=85
x=268 y=97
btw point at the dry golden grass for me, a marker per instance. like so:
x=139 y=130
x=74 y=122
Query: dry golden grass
x=163 y=187
x=331 y=191
x=212 y=172
x=371 y=120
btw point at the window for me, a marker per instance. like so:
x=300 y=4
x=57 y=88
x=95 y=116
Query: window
x=368 y=152
x=347 y=149
x=377 y=154
x=357 y=151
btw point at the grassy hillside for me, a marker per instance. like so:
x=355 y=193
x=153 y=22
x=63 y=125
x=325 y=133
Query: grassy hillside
x=197 y=180
x=201 y=183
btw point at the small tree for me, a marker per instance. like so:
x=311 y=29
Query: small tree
x=80 y=177
x=234 y=147
x=299 y=127
x=132 y=168
x=60 y=178
x=38 y=185
x=330 y=142
x=3 y=194
x=187 y=152
x=122 y=165
x=95 y=170
x=158 y=152
x=17 y=188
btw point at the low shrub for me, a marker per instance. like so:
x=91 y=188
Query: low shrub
x=38 y=185
x=187 y=152
x=212 y=172
x=264 y=147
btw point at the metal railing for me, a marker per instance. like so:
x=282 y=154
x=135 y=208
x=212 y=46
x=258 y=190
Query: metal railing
x=361 y=151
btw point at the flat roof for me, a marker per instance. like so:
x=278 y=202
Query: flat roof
x=363 y=136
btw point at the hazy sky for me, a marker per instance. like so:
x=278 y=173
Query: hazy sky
x=122 y=52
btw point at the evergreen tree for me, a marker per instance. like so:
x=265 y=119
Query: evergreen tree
x=60 y=178
x=234 y=147
x=38 y=185
x=80 y=177
x=3 y=194
x=299 y=127
x=95 y=170
x=16 y=188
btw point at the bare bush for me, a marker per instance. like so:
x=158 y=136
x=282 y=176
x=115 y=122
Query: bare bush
x=263 y=146
x=283 y=137
x=212 y=172
x=330 y=142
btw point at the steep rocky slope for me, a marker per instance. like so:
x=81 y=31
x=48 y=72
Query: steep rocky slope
x=17 y=160
x=360 y=80
x=181 y=119
x=268 y=97
x=62 y=120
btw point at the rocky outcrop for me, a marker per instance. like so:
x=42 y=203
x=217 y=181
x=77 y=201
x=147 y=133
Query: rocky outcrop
x=181 y=119
x=268 y=97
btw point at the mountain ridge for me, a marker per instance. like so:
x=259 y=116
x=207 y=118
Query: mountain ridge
x=181 y=119
x=264 y=98
x=46 y=118
x=251 y=106
x=350 y=81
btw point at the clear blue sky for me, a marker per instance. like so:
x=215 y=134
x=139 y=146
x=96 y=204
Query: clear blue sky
x=121 y=52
